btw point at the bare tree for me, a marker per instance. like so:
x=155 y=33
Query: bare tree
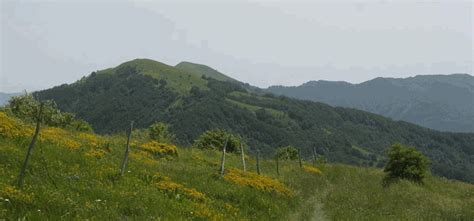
x=39 y=116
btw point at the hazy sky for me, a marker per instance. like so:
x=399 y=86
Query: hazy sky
x=46 y=43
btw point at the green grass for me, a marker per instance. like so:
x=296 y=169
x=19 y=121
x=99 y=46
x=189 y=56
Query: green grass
x=66 y=184
x=179 y=80
x=200 y=70
x=253 y=108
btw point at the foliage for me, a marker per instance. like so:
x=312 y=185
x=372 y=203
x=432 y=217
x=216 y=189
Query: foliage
x=215 y=139
x=159 y=132
x=26 y=107
x=287 y=153
x=406 y=163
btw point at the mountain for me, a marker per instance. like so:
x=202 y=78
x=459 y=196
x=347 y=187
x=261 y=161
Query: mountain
x=147 y=91
x=441 y=102
x=4 y=97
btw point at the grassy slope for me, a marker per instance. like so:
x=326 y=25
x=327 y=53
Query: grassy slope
x=200 y=70
x=179 y=80
x=71 y=183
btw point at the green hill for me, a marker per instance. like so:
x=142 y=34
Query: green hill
x=180 y=80
x=203 y=70
x=146 y=91
x=74 y=176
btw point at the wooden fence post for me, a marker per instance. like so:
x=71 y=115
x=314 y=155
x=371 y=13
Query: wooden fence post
x=299 y=158
x=278 y=166
x=21 y=176
x=314 y=156
x=223 y=157
x=258 y=162
x=243 y=156
x=127 y=150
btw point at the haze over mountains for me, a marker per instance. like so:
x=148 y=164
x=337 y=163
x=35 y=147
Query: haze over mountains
x=185 y=97
x=441 y=102
x=4 y=97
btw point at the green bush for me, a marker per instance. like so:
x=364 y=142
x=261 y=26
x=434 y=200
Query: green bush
x=405 y=163
x=160 y=132
x=26 y=107
x=215 y=139
x=287 y=153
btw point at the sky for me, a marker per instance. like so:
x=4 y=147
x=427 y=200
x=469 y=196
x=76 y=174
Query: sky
x=48 y=43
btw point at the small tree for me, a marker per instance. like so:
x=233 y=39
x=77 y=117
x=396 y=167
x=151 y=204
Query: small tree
x=26 y=107
x=287 y=153
x=215 y=139
x=405 y=163
x=159 y=132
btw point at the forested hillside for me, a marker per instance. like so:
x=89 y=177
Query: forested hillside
x=441 y=102
x=147 y=91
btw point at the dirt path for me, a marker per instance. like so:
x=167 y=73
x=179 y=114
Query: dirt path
x=318 y=212
x=312 y=209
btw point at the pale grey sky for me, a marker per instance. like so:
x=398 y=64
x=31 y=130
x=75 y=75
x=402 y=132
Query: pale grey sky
x=47 y=43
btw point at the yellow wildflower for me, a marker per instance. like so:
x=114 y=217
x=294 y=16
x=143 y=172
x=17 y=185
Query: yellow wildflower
x=160 y=149
x=311 y=169
x=259 y=182
x=12 y=128
x=169 y=186
x=144 y=157
x=194 y=194
x=59 y=137
x=95 y=153
x=12 y=193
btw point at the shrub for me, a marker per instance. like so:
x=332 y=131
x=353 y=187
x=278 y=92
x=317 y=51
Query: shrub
x=405 y=163
x=159 y=132
x=26 y=108
x=215 y=139
x=160 y=150
x=259 y=182
x=287 y=153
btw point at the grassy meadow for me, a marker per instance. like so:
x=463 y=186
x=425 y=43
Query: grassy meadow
x=75 y=175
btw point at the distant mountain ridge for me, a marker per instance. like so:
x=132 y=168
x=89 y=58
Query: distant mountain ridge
x=441 y=102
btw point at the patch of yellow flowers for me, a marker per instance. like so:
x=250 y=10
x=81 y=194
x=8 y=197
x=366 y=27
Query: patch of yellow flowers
x=259 y=182
x=12 y=128
x=59 y=137
x=144 y=157
x=95 y=153
x=312 y=170
x=169 y=186
x=160 y=149
x=9 y=193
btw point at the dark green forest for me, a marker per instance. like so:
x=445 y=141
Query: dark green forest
x=110 y=99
